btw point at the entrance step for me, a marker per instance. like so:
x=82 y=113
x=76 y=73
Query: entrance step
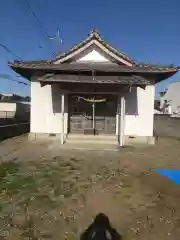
x=89 y=146
x=90 y=139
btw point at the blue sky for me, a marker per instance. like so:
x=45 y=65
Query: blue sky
x=147 y=31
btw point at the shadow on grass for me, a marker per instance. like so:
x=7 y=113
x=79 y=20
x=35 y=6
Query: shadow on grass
x=100 y=229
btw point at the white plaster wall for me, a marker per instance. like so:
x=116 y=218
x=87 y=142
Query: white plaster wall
x=10 y=110
x=10 y=107
x=7 y=110
x=140 y=122
x=93 y=56
x=46 y=110
x=46 y=114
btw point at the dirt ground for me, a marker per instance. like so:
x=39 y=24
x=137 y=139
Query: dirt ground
x=48 y=193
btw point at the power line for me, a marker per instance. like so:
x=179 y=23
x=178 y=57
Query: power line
x=39 y=26
x=9 y=51
x=26 y=11
x=7 y=76
x=37 y=19
x=20 y=4
x=10 y=78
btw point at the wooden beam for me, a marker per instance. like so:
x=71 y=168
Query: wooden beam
x=62 y=118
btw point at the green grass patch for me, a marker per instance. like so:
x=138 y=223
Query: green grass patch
x=37 y=192
x=10 y=167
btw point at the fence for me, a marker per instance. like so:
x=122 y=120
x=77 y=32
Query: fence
x=167 y=126
x=7 y=114
x=11 y=117
x=12 y=130
x=13 y=124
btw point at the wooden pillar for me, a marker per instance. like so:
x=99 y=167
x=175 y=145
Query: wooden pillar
x=93 y=106
x=118 y=116
x=62 y=118
x=122 y=119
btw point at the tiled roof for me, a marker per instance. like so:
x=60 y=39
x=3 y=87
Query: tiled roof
x=104 y=67
x=28 y=68
x=93 y=35
x=133 y=79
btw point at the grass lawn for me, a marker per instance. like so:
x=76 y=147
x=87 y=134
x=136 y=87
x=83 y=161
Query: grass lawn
x=34 y=198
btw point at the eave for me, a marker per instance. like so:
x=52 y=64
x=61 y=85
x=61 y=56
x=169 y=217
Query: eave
x=28 y=69
x=68 y=63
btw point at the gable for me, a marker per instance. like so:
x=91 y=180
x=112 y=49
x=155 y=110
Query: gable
x=93 y=56
x=103 y=52
x=93 y=44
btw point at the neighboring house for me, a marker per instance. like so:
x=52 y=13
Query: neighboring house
x=157 y=111
x=157 y=104
x=172 y=97
x=9 y=97
x=93 y=89
x=13 y=106
x=14 y=97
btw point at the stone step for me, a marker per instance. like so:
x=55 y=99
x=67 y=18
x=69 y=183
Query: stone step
x=92 y=141
x=90 y=147
x=92 y=137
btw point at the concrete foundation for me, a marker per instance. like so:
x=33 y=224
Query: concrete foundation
x=89 y=139
x=44 y=136
x=133 y=140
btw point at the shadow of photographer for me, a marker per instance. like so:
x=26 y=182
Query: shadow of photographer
x=100 y=229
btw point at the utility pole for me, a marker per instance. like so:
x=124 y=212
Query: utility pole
x=58 y=41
